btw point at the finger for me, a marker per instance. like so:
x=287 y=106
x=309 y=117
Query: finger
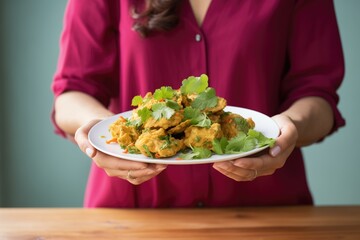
x=263 y=163
x=151 y=171
x=135 y=176
x=247 y=174
x=139 y=180
x=288 y=135
x=106 y=161
x=159 y=166
x=237 y=173
x=81 y=138
x=130 y=174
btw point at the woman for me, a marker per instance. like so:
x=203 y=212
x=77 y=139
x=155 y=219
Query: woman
x=282 y=58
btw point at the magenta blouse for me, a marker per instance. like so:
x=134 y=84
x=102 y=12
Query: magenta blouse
x=262 y=55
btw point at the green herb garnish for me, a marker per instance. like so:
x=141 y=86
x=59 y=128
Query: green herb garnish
x=144 y=114
x=160 y=110
x=172 y=104
x=196 y=153
x=196 y=117
x=164 y=93
x=242 y=143
x=148 y=151
x=194 y=84
x=136 y=101
x=206 y=99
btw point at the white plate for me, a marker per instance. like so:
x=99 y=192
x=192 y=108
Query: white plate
x=99 y=133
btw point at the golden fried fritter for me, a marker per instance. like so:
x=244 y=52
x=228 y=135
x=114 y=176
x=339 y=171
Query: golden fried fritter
x=125 y=135
x=232 y=124
x=202 y=137
x=221 y=104
x=163 y=122
x=156 y=143
x=160 y=115
x=179 y=128
x=215 y=117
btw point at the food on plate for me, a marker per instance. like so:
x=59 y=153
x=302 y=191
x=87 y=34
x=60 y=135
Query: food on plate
x=189 y=121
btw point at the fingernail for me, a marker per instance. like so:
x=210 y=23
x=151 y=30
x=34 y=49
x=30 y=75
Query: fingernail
x=275 y=151
x=89 y=152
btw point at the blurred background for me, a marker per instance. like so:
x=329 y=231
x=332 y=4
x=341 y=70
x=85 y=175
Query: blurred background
x=40 y=169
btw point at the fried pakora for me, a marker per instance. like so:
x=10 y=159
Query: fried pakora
x=168 y=121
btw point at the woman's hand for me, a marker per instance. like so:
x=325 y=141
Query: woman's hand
x=133 y=172
x=249 y=168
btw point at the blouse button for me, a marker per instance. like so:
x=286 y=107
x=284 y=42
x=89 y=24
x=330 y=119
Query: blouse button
x=198 y=37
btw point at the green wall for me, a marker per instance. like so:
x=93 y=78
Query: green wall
x=2 y=100
x=333 y=166
x=40 y=169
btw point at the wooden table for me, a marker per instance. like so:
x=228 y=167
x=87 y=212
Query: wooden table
x=230 y=223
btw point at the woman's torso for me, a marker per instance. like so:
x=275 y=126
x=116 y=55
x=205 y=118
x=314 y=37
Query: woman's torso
x=241 y=46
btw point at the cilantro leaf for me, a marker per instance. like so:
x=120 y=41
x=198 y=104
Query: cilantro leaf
x=196 y=153
x=197 y=118
x=249 y=144
x=149 y=154
x=191 y=113
x=261 y=139
x=144 y=114
x=236 y=144
x=202 y=153
x=239 y=144
x=137 y=122
x=188 y=155
x=203 y=121
x=136 y=101
x=164 y=93
x=241 y=124
x=172 y=104
x=206 y=99
x=194 y=84
x=219 y=145
x=160 y=110
x=244 y=143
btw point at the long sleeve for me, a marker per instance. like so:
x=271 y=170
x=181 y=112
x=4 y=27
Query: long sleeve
x=315 y=57
x=88 y=51
x=88 y=56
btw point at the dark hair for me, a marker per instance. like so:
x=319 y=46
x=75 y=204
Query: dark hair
x=158 y=15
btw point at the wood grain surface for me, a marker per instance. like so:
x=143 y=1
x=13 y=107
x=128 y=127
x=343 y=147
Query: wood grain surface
x=305 y=222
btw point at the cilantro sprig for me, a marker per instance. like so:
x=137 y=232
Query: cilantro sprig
x=194 y=84
x=144 y=114
x=164 y=93
x=196 y=117
x=136 y=101
x=196 y=153
x=242 y=143
x=160 y=110
x=206 y=99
